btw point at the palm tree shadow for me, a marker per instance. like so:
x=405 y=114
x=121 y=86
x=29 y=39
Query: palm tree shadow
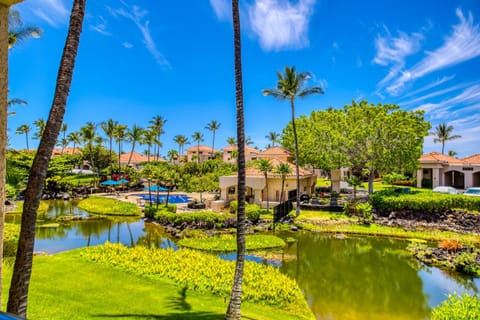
x=180 y=303
x=199 y=315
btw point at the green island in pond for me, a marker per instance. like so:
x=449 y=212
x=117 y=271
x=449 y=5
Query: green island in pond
x=108 y=206
x=225 y=243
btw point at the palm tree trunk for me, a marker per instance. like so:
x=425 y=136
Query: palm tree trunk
x=266 y=182
x=131 y=154
x=213 y=145
x=110 y=155
x=233 y=311
x=18 y=297
x=26 y=139
x=297 y=170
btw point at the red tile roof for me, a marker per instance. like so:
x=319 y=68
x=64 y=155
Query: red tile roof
x=275 y=151
x=247 y=149
x=136 y=157
x=193 y=149
x=435 y=157
x=254 y=171
x=474 y=159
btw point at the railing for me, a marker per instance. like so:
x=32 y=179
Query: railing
x=281 y=210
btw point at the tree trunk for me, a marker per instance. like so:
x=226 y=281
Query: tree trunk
x=266 y=184
x=233 y=311
x=18 y=298
x=297 y=170
x=3 y=126
x=131 y=154
x=371 y=175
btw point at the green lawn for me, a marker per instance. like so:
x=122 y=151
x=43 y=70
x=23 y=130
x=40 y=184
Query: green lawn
x=225 y=243
x=65 y=286
x=108 y=206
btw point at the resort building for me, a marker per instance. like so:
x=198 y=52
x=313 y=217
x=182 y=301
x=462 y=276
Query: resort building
x=204 y=153
x=279 y=153
x=257 y=185
x=136 y=159
x=437 y=169
x=230 y=154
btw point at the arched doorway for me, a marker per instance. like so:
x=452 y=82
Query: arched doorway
x=455 y=179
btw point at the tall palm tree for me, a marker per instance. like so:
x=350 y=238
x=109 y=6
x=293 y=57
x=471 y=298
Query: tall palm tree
x=75 y=138
x=18 y=32
x=452 y=153
x=119 y=135
x=233 y=311
x=40 y=124
x=197 y=137
x=108 y=128
x=231 y=141
x=181 y=140
x=4 y=104
x=283 y=169
x=149 y=138
x=89 y=136
x=17 y=302
x=265 y=167
x=64 y=141
x=24 y=129
x=213 y=126
x=172 y=154
x=273 y=137
x=134 y=135
x=291 y=85
x=15 y=101
x=157 y=124
x=443 y=133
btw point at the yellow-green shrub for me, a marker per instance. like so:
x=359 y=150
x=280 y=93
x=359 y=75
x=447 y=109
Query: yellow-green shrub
x=108 y=206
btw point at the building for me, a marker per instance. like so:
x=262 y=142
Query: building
x=204 y=153
x=279 y=153
x=257 y=185
x=136 y=159
x=437 y=169
x=230 y=154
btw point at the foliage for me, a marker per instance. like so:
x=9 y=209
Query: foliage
x=361 y=209
x=108 y=206
x=201 y=272
x=150 y=211
x=205 y=219
x=225 y=243
x=466 y=262
x=450 y=245
x=42 y=208
x=11 y=191
x=389 y=200
x=252 y=211
x=10 y=240
x=464 y=307
x=390 y=178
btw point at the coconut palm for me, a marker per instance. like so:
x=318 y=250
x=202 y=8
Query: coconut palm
x=40 y=124
x=172 y=155
x=108 y=128
x=89 y=137
x=197 y=137
x=149 y=138
x=283 y=169
x=443 y=133
x=24 y=129
x=119 y=135
x=64 y=140
x=15 y=101
x=75 y=138
x=17 y=302
x=265 y=167
x=233 y=311
x=231 y=141
x=157 y=124
x=213 y=126
x=273 y=137
x=181 y=140
x=452 y=153
x=291 y=85
x=18 y=32
x=134 y=135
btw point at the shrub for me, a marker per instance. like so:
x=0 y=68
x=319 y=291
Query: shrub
x=11 y=191
x=450 y=245
x=392 y=177
x=252 y=212
x=10 y=240
x=466 y=262
x=362 y=209
x=100 y=205
x=204 y=219
x=233 y=206
x=464 y=307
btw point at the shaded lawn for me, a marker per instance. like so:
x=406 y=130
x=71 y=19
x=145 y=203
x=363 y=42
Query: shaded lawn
x=64 y=286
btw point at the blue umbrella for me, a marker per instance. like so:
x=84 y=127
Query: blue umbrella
x=109 y=183
x=155 y=188
x=123 y=181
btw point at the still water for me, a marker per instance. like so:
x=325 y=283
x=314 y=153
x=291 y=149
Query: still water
x=355 y=278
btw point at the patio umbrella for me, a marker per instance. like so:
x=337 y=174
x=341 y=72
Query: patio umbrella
x=123 y=181
x=109 y=183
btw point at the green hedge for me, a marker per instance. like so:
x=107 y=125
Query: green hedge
x=203 y=219
x=108 y=206
x=388 y=201
x=464 y=307
x=10 y=241
x=252 y=211
x=150 y=211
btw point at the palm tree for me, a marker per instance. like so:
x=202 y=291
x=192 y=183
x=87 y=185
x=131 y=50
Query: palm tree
x=108 y=128
x=24 y=129
x=76 y=138
x=283 y=169
x=89 y=136
x=157 y=124
x=40 y=124
x=181 y=140
x=172 y=155
x=443 y=133
x=452 y=153
x=233 y=311
x=289 y=86
x=119 y=135
x=273 y=137
x=213 y=126
x=17 y=302
x=149 y=138
x=198 y=137
x=64 y=141
x=15 y=101
x=231 y=141
x=265 y=167
x=18 y=32
x=134 y=135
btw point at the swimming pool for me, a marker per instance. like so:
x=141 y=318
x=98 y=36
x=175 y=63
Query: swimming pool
x=173 y=198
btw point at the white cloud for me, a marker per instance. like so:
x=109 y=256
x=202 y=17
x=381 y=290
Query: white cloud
x=101 y=27
x=136 y=15
x=53 y=12
x=461 y=45
x=127 y=45
x=434 y=94
x=280 y=24
x=222 y=9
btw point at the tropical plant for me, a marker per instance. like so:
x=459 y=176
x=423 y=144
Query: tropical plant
x=274 y=137
x=75 y=138
x=108 y=128
x=197 y=137
x=283 y=169
x=355 y=182
x=24 y=129
x=40 y=124
x=63 y=141
x=443 y=133
x=265 y=167
x=15 y=101
x=213 y=126
x=119 y=133
x=149 y=138
x=231 y=141
x=172 y=155
x=463 y=307
x=291 y=85
x=452 y=153
x=134 y=135
x=17 y=302
x=233 y=310
x=18 y=32
x=157 y=124
x=181 y=140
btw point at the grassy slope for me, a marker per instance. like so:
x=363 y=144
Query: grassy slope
x=64 y=286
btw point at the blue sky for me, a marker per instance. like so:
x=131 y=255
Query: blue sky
x=139 y=59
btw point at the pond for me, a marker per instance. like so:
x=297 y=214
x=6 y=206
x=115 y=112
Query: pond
x=352 y=278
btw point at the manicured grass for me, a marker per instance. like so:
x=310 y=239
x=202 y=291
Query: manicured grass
x=108 y=206
x=322 y=182
x=309 y=215
x=42 y=208
x=225 y=243
x=66 y=286
x=79 y=179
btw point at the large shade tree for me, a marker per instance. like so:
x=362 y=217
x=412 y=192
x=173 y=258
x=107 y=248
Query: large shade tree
x=18 y=297
x=290 y=85
x=233 y=311
x=443 y=133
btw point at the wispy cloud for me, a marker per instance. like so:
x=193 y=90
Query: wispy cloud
x=461 y=45
x=53 y=12
x=222 y=9
x=436 y=93
x=429 y=86
x=137 y=15
x=127 y=45
x=100 y=26
x=280 y=24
